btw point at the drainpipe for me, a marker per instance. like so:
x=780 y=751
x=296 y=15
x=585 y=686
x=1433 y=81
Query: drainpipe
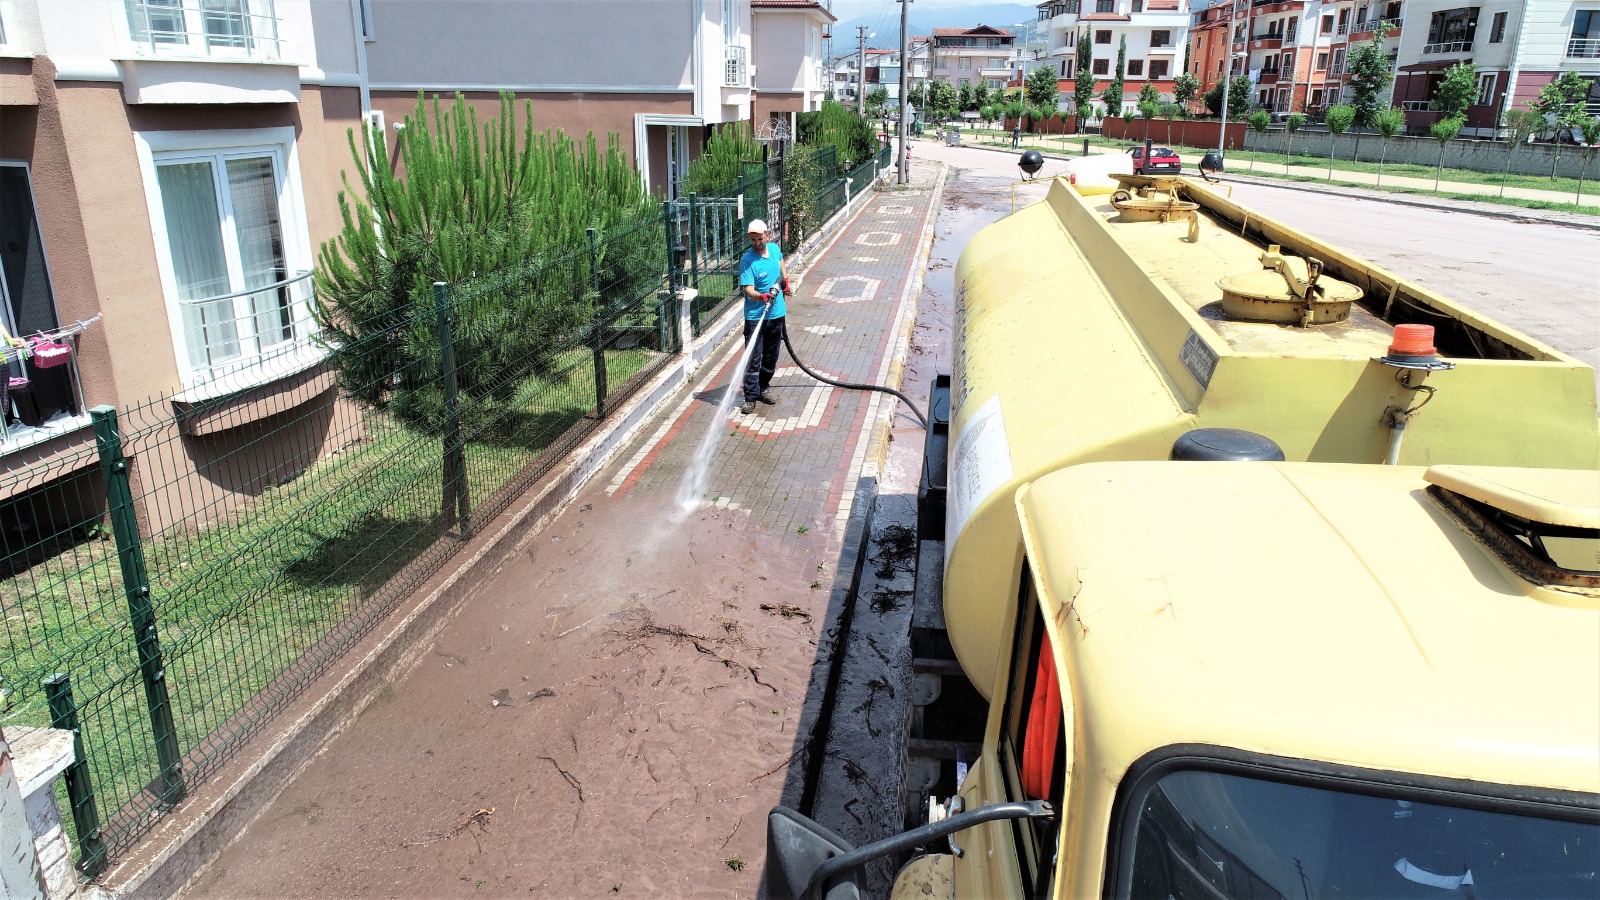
x=361 y=56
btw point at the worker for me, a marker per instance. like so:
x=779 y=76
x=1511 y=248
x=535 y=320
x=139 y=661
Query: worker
x=765 y=283
x=1016 y=133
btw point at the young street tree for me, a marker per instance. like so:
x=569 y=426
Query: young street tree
x=1238 y=98
x=1338 y=119
x=1389 y=121
x=1113 y=94
x=1259 y=121
x=1083 y=80
x=1444 y=131
x=1561 y=104
x=1291 y=124
x=1456 y=90
x=1368 y=66
x=1520 y=125
x=1042 y=88
x=1184 y=87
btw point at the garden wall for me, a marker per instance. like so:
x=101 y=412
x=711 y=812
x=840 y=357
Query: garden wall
x=1188 y=132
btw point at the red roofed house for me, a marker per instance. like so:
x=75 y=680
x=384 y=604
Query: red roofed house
x=972 y=55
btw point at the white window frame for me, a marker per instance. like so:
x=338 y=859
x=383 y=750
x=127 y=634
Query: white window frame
x=153 y=147
x=1486 y=82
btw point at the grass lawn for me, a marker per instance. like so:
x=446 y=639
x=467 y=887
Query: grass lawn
x=241 y=600
x=1270 y=165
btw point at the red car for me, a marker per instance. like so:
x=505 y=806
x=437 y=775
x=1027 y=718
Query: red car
x=1162 y=161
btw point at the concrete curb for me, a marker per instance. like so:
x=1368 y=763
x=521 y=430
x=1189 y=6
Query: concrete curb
x=1491 y=211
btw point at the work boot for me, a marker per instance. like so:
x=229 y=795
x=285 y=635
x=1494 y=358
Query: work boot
x=748 y=407
x=766 y=397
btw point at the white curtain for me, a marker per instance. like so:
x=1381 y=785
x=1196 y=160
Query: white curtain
x=200 y=266
x=253 y=190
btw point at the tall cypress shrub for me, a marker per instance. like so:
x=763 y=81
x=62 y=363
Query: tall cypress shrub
x=497 y=204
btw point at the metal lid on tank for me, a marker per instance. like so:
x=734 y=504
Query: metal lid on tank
x=1225 y=445
x=1287 y=289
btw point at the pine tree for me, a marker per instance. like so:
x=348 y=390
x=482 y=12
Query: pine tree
x=1113 y=94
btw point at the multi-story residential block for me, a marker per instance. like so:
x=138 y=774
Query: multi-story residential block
x=1294 y=51
x=786 y=48
x=972 y=55
x=170 y=165
x=1516 y=48
x=1156 y=32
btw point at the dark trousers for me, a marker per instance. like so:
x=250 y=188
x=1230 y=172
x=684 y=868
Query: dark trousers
x=764 y=358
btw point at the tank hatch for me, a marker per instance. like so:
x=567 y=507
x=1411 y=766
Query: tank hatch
x=1287 y=289
x=1543 y=523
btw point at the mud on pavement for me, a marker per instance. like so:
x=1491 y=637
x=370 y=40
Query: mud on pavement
x=619 y=704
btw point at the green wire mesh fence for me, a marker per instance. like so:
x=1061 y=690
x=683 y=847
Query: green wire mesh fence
x=168 y=588
x=208 y=557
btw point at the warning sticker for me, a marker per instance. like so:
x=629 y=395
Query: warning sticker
x=980 y=464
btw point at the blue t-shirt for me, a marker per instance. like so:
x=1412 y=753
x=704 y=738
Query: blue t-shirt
x=763 y=273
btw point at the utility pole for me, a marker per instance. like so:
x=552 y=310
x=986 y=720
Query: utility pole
x=861 y=70
x=1227 y=76
x=901 y=175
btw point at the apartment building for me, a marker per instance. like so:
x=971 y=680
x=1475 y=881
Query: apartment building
x=1156 y=32
x=786 y=50
x=1295 y=52
x=983 y=53
x=172 y=165
x=882 y=71
x=1515 y=48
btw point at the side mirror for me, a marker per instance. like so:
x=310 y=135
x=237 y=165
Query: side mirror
x=805 y=860
x=796 y=848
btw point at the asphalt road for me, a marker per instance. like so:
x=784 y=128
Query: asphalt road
x=1536 y=277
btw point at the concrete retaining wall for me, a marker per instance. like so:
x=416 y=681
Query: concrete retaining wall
x=1479 y=156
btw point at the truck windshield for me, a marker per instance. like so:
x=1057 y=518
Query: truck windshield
x=1213 y=835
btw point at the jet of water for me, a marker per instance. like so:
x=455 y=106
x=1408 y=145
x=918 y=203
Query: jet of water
x=692 y=489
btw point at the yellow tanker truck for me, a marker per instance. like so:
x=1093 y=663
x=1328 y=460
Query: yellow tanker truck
x=1278 y=576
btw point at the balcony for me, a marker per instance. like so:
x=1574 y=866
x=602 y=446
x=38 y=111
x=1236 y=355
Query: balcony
x=248 y=338
x=1266 y=42
x=1583 y=48
x=1448 y=47
x=735 y=67
x=205 y=29
x=1268 y=77
x=1336 y=69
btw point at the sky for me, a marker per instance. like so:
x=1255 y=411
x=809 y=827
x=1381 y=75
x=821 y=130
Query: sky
x=850 y=9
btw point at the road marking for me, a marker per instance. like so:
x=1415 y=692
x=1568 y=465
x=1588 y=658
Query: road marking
x=849 y=289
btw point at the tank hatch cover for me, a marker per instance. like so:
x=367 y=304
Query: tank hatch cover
x=1287 y=289
x=1562 y=497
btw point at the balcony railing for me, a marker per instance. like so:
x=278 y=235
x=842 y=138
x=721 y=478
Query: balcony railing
x=1448 y=47
x=1336 y=69
x=224 y=29
x=1583 y=48
x=249 y=331
x=735 y=67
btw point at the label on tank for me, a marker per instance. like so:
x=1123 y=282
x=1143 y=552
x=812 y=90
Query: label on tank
x=1199 y=359
x=980 y=464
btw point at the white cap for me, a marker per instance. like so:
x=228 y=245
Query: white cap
x=756 y=226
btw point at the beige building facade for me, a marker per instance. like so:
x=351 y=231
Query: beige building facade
x=786 y=51
x=171 y=166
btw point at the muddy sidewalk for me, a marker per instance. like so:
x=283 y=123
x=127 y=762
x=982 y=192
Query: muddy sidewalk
x=619 y=703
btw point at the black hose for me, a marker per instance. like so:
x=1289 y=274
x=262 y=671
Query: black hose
x=849 y=384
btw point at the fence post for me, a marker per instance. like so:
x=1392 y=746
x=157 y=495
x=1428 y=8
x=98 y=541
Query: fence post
x=141 y=612
x=80 y=787
x=670 y=300
x=694 y=243
x=454 y=502
x=600 y=387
